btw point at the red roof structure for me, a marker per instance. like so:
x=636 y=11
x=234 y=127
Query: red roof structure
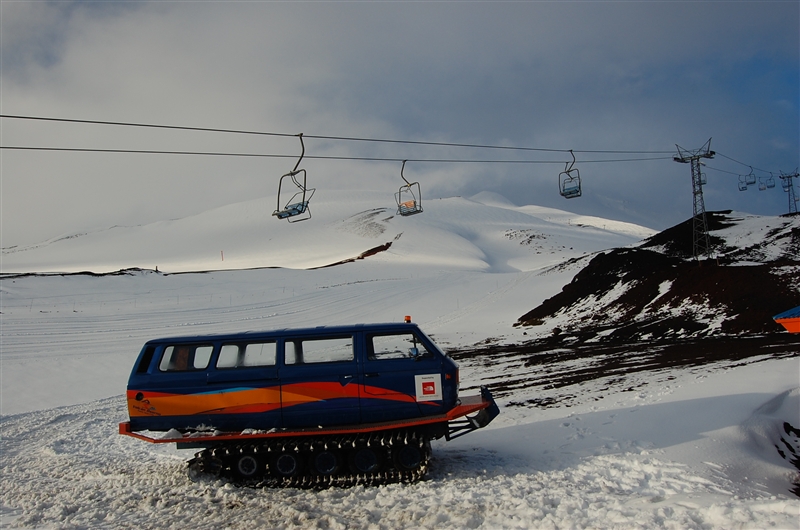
x=790 y=320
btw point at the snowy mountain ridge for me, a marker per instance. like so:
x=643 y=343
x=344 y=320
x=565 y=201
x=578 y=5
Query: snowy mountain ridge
x=655 y=290
x=454 y=232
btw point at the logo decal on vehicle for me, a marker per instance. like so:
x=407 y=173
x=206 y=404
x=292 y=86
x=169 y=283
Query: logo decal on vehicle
x=429 y=387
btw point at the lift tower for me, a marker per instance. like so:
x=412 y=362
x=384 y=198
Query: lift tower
x=700 y=241
x=788 y=187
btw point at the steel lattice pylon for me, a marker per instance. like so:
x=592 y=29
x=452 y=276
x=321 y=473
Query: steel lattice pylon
x=701 y=244
x=788 y=186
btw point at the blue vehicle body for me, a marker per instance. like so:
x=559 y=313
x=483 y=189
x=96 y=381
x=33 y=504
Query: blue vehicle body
x=291 y=378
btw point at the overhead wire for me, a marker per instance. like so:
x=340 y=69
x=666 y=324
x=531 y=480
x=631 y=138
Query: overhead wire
x=344 y=138
x=324 y=137
x=721 y=170
x=742 y=163
x=317 y=157
x=766 y=172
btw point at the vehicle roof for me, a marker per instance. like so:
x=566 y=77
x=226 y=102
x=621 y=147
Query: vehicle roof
x=792 y=313
x=276 y=333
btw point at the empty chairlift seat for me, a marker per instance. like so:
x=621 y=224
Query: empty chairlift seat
x=569 y=180
x=409 y=196
x=296 y=207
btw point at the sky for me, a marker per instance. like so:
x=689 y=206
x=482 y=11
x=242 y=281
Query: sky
x=586 y=76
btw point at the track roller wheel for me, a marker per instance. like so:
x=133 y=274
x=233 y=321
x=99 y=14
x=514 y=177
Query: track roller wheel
x=326 y=462
x=286 y=465
x=364 y=460
x=410 y=456
x=247 y=466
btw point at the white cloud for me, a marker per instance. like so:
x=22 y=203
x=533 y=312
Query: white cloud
x=579 y=75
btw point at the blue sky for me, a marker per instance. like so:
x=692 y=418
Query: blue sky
x=605 y=76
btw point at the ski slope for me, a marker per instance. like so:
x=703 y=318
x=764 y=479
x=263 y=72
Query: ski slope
x=687 y=448
x=484 y=233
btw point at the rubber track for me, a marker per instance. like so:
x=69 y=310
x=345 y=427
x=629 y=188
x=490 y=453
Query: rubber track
x=220 y=460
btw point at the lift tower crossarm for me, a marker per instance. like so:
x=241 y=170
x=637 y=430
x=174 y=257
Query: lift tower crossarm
x=700 y=240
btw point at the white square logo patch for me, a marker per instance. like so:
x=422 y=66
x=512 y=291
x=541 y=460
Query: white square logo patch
x=429 y=387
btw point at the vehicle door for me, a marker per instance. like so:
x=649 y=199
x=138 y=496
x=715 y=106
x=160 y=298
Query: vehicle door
x=168 y=394
x=401 y=378
x=243 y=384
x=319 y=381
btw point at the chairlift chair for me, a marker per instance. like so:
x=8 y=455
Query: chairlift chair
x=750 y=178
x=742 y=183
x=569 y=180
x=296 y=208
x=570 y=184
x=409 y=196
x=770 y=182
x=761 y=184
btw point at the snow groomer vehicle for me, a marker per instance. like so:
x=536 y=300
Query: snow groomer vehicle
x=311 y=407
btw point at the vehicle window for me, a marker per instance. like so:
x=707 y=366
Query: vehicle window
x=327 y=350
x=396 y=346
x=185 y=357
x=243 y=355
x=144 y=365
x=228 y=356
x=201 y=357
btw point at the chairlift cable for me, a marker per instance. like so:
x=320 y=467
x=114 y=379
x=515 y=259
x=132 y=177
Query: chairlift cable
x=321 y=137
x=338 y=138
x=722 y=170
x=319 y=157
x=738 y=174
x=742 y=163
x=147 y=125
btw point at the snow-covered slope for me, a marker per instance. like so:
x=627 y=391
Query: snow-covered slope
x=694 y=453
x=689 y=446
x=489 y=234
x=465 y=269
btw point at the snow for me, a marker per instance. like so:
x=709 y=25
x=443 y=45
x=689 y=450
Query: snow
x=749 y=229
x=684 y=448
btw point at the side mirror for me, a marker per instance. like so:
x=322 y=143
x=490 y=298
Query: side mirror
x=414 y=352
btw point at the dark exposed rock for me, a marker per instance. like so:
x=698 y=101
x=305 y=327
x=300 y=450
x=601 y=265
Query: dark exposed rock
x=655 y=290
